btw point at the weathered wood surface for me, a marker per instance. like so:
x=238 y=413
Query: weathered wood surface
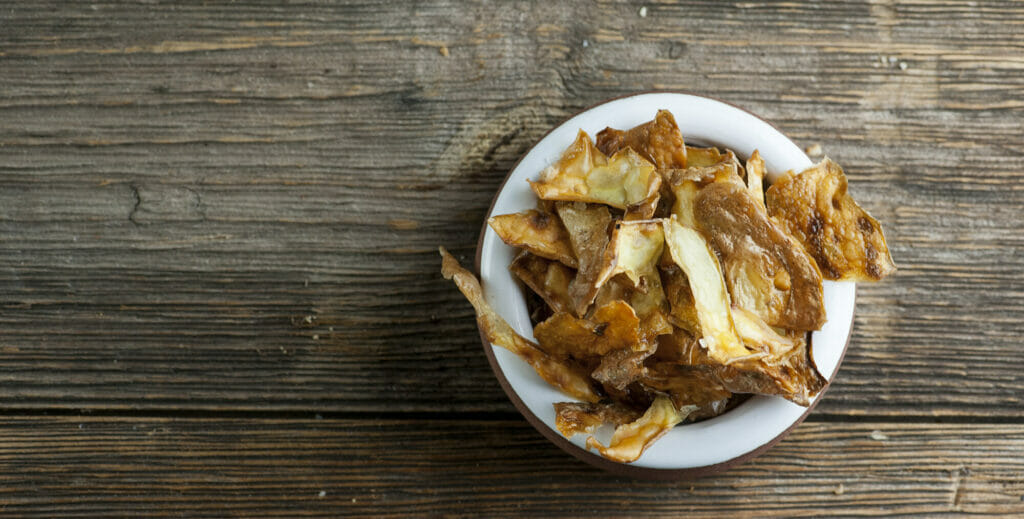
x=236 y=209
x=392 y=468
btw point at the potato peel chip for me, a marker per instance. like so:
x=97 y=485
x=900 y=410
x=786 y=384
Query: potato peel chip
x=687 y=386
x=755 y=178
x=587 y=226
x=694 y=256
x=613 y=326
x=538 y=232
x=633 y=250
x=547 y=278
x=620 y=368
x=572 y=418
x=500 y=333
x=767 y=272
x=790 y=374
x=815 y=207
x=584 y=174
x=630 y=440
x=658 y=141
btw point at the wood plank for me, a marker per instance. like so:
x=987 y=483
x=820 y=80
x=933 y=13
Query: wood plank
x=238 y=207
x=71 y=466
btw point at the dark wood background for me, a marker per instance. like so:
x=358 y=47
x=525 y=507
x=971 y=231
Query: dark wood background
x=219 y=286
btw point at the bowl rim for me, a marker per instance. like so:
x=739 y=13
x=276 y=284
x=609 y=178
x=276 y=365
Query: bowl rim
x=617 y=468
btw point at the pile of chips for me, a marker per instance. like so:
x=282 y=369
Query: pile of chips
x=667 y=281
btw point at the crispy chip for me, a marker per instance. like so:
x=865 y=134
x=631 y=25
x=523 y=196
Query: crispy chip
x=758 y=335
x=574 y=418
x=683 y=311
x=844 y=239
x=612 y=327
x=767 y=272
x=790 y=374
x=558 y=374
x=687 y=386
x=584 y=174
x=587 y=226
x=547 y=278
x=538 y=232
x=634 y=249
x=755 y=178
x=630 y=440
x=697 y=157
x=620 y=368
x=658 y=141
x=686 y=183
x=692 y=254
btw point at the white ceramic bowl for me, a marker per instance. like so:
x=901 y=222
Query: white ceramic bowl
x=688 y=450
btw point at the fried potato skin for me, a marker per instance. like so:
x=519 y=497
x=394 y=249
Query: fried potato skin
x=630 y=440
x=658 y=141
x=539 y=232
x=572 y=418
x=547 y=278
x=587 y=226
x=815 y=207
x=498 y=332
x=767 y=272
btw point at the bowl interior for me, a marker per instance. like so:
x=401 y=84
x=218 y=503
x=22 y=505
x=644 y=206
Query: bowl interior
x=752 y=424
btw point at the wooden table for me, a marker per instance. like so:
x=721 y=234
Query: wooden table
x=220 y=284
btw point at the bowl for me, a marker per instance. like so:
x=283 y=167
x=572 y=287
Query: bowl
x=689 y=450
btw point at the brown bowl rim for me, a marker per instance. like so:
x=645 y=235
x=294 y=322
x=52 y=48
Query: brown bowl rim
x=623 y=469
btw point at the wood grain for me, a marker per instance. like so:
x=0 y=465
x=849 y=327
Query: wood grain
x=390 y=468
x=238 y=207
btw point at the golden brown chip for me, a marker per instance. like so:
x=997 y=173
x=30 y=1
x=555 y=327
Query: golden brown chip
x=584 y=174
x=497 y=331
x=695 y=258
x=815 y=207
x=697 y=157
x=658 y=141
x=547 y=278
x=612 y=327
x=630 y=440
x=538 y=232
x=755 y=178
x=683 y=312
x=684 y=185
x=620 y=368
x=647 y=298
x=790 y=374
x=767 y=272
x=587 y=225
x=687 y=386
x=574 y=418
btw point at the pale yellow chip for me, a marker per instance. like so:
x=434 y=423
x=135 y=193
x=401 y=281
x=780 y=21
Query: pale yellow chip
x=695 y=258
x=634 y=250
x=584 y=174
x=755 y=178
